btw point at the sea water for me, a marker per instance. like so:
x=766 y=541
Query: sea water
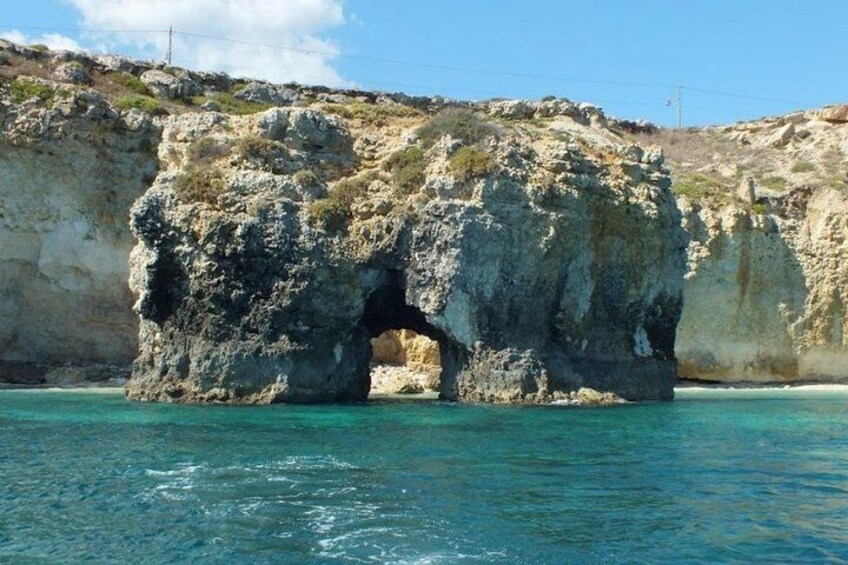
x=713 y=476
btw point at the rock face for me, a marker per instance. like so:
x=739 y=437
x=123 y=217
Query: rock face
x=69 y=175
x=764 y=294
x=539 y=268
x=406 y=348
x=404 y=360
x=765 y=205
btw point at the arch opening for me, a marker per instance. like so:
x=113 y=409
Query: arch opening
x=408 y=356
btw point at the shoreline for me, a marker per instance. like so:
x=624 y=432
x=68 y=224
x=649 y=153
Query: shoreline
x=681 y=389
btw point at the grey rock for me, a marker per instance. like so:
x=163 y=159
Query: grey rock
x=782 y=136
x=119 y=64
x=73 y=72
x=211 y=106
x=511 y=109
x=273 y=124
x=262 y=93
x=260 y=302
x=169 y=86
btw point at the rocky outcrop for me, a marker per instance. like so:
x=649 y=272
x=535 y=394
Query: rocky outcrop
x=69 y=175
x=539 y=266
x=402 y=360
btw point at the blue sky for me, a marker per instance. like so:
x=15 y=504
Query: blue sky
x=626 y=56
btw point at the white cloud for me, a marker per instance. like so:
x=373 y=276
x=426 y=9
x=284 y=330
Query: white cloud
x=295 y=25
x=51 y=40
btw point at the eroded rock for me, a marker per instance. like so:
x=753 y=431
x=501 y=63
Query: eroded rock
x=256 y=299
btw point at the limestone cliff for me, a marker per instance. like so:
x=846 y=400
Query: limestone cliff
x=766 y=206
x=68 y=175
x=273 y=247
x=534 y=240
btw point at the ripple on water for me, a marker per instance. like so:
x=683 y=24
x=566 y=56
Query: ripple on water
x=700 y=480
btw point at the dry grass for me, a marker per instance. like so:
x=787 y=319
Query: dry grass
x=16 y=66
x=372 y=114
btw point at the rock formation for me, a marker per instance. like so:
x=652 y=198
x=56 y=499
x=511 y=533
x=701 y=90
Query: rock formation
x=540 y=248
x=764 y=292
x=538 y=266
x=402 y=360
x=69 y=175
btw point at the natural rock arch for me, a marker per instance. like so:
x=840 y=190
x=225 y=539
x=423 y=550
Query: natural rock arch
x=532 y=292
x=387 y=309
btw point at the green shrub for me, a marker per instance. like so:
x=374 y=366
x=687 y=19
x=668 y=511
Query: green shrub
x=207 y=149
x=200 y=185
x=130 y=82
x=803 y=167
x=775 y=182
x=758 y=208
x=460 y=124
x=306 y=178
x=229 y=104
x=23 y=90
x=696 y=186
x=143 y=103
x=407 y=168
x=374 y=114
x=333 y=211
x=264 y=153
x=329 y=213
x=5 y=59
x=470 y=162
x=836 y=181
x=40 y=47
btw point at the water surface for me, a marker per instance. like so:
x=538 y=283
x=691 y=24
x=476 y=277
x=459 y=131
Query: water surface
x=712 y=476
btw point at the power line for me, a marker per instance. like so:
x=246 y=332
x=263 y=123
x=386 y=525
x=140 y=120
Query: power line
x=81 y=29
x=417 y=64
x=743 y=96
x=452 y=68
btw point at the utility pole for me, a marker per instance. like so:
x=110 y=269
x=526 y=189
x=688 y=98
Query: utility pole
x=679 y=106
x=678 y=103
x=170 y=43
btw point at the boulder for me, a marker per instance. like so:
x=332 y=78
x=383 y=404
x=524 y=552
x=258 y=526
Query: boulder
x=170 y=86
x=119 y=64
x=263 y=93
x=834 y=114
x=72 y=72
x=781 y=137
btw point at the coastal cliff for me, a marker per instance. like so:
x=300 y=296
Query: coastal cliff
x=69 y=174
x=535 y=241
x=273 y=247
x=766 y=206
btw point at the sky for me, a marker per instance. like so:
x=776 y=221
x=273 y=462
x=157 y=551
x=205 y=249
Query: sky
x=735 y=59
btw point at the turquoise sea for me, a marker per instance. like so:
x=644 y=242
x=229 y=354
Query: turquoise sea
x=712 y=477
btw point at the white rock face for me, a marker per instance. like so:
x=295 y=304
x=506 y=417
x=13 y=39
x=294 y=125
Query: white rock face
x=764 y=295
x=69 y=176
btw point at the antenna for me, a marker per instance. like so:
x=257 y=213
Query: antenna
x=170 y=43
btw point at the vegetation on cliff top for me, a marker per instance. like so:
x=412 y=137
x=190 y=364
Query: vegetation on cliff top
x=333 y=212
x=463 y=125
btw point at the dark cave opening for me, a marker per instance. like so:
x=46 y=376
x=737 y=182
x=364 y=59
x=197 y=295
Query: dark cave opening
x=388 y=314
